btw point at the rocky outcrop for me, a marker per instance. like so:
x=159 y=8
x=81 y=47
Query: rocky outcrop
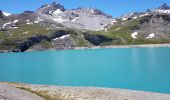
x=59 y=33
x=23 y=46
x=49 y=8
x=1 y=14
x=90 y=11
x=35 y=42
x=64 y=44
x=96 y=39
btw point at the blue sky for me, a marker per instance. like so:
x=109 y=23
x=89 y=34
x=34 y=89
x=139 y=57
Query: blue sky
x=112 y=7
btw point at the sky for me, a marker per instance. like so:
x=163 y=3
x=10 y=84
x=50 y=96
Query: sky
x=115 y=8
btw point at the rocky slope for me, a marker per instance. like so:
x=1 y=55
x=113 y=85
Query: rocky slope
x=54 y=27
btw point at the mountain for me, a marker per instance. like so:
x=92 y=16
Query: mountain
x=76 y=18
x=164 y=7
x=50 y=8
x=149 y=24
x=6 y=14
x=54 y=27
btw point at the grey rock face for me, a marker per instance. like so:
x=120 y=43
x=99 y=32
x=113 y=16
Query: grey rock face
x=155 y=23
x=96 y=39
x=59 y=33
x=90 y=11
x=18 y=19
x=81 y=18
x=1 y=14
x=59 y=44
x=64 y=44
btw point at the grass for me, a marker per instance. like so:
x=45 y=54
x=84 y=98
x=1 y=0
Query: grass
x=121 y=35
x=25 y=31
x=80 y=41
x=44 y=94
x=46 y=44
x=12 y=37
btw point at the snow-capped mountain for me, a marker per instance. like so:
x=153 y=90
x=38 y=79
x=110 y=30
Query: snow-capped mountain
x=150 y=24
x=90 y=11
x=50 y=8
x=163 y=9
x=2 y=13
x=53 y=26
x=6 y=13
x=80 y=18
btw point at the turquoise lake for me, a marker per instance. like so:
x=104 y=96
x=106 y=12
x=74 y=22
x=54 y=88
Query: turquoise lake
x=146 y=69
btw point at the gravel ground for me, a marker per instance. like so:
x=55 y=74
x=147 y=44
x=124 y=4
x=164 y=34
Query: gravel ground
x=7 y=92
x=92 y=93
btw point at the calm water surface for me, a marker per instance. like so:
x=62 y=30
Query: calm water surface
x=145 y=69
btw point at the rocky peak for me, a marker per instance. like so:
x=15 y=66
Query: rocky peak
x=28 y=12
x=49 y=8
x=164 y=7
x=90 y=11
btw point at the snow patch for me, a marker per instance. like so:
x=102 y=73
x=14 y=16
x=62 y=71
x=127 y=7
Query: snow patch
x=28 y=22
x=8 y=23
x=143 y=15
x=13 y=27
x=151 y=36
x=118 y=28
x=25 y=32
x=62 y=37
x=58 y=11
x=106 y=30
x=53 y=43
x=38 y=20
x=133 y=35
x=15 y=21
x=163 y=11
x=124 y=19
x=6 y=14
x=113 y=21
x=75 y=19
x=135 y=17
x=59 y=20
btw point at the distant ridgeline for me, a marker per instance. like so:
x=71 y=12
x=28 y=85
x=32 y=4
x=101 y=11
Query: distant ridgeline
x=54 y=27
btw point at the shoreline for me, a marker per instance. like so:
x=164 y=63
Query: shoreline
x=95 y=47
x=126 y=46
x=85 y=93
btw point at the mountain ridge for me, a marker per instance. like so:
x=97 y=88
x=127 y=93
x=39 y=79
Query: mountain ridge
x=53 y=27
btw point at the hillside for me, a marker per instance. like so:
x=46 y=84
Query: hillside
x=54 y=27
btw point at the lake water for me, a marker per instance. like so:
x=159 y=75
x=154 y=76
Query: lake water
x=145 y=69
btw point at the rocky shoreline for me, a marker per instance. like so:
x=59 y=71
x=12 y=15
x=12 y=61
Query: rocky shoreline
x=128 y=46
x=97 y=47
x=51 y=92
